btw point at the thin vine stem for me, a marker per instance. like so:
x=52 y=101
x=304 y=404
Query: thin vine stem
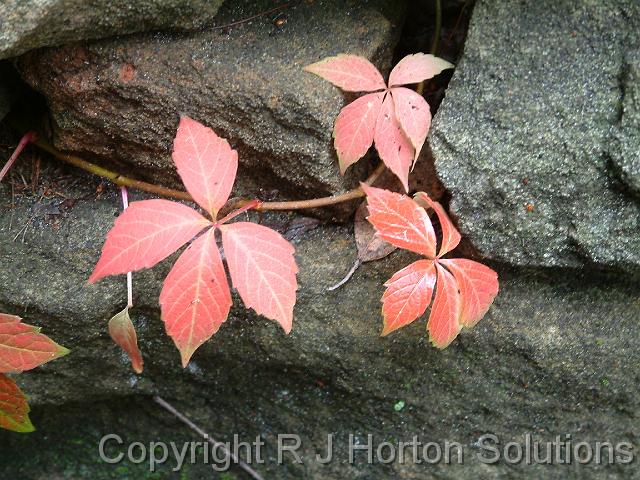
x=124 y=181
x=435 y=41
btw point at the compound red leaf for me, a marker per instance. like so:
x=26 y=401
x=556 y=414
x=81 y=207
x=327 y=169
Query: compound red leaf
x=195 y=298
x=14 y=410
x=478 y=286
x=414 y=115
x=262 y=269
x=450 y=235
x=145 y=233
x=408 y=295
x=400 y=221
x=349 y=72
x=392 y=144
x=23 y=347
x=370 y=246
x=416 y=68
x=354 y=128
x=206 y=163
x=123 y=333
x=444 y=319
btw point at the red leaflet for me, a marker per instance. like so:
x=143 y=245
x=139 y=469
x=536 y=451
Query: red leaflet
x=349 y=72
x=144 y=234
x=444 y=319
x=478 y=286
x=414 y=116
x=417 y=68
x=464 y=292
x=450 y=235
x=195 y=297
x=23 y=347
x=393 y=146
x=206 y=163
x=14 y=410
x=408 y=295
x=262 y=269
x=400 y=221
x=123 y=333
x=400 y=126
x=355 y=127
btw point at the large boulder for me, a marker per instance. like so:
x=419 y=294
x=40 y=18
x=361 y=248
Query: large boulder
x=527 y=368
x=119 y=101
x=29 y=24
x=537 y=138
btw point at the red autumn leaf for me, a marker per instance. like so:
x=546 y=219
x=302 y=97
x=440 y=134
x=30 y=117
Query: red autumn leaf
x=206 y=163
x=417 y=68
x=444 y=319
x=400 y=221
x=392 y=144
x=408 y=295
x=398 y=130
x=195 y=298
x=349 y=72
x=450 y=234
x=144 y=234
x=262 y=269
x=355 y=127
x=478 y=286
x=414 y=116
x=123 y=333
x=14 y=410
x=23 y=347
x=464 y=289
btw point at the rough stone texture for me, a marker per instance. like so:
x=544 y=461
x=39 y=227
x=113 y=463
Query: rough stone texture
x=120 y=100
x=29 y=24
x=527 y=368
x=540 y=115
x=625 y=148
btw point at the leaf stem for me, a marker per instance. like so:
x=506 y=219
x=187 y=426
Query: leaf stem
x=124 y=181
x=26 y=138
x=435 y=41
x=125 y=205
x=255 y=204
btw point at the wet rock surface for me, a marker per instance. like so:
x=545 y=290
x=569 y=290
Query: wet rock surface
x=528 y=367
x=119 y=101
x=25 y=25
x=537 y=137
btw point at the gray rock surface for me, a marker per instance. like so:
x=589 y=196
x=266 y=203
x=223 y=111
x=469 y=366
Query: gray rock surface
x=538 y=127
x=625 y=147
x=119 y=101
x=528 y=367
x=30 y=24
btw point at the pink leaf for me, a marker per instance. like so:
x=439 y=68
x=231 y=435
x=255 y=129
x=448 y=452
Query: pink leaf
x=393 y=146
x=262 y=269
x=416 y=68
x=14 y=409
x=478 y=286
x=414 y=116
x=354 y=128
x=400 y=221
x=349 y=72
x=443 y=324
x=408 y=295
x=23 y=347
x=145 y=233
x=195 y=298
x=450 y=234
x=206 y=163
x=123 y=333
